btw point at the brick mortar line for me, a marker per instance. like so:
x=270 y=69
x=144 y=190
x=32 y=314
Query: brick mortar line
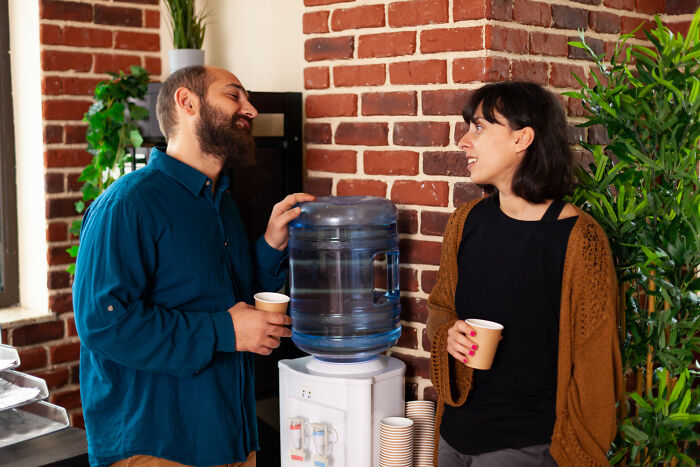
x=605 y=36
x=110 y=50
x=423 y=383
x=62 y=243
x=357 y=32
x=392 y=87
x=343 y=6
x=68 y=219
x=92 y=24
x=383 y=119
x=65 y=97
x=80 y=74
x=418 y=295
x=391 y=147
x=449 y=57
x=102 y=2
x=411 y=352
x=64 y=170
x=475 y=23
x=601 y=7
x=82 y=146
x=55 y=292
x=420 y=177
x=59 y=268
x=384 y=88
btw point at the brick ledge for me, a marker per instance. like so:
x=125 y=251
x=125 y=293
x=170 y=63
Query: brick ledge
x=16 y=316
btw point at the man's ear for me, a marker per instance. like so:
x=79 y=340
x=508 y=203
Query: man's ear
x=186 y=101
x=524 y=139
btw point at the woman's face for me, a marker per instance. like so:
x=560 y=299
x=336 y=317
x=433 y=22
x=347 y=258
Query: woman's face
x=492 y=151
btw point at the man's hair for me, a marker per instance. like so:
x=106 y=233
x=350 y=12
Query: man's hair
x=546 y=170
x=194 y=78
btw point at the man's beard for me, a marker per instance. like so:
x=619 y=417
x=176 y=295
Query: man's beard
x=220 y=136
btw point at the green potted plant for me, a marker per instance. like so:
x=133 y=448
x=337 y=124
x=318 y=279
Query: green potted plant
x=188 y=29
x=643 y=188
x=111 y=130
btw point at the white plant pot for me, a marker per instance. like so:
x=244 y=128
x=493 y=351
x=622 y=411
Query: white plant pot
x=180 y=58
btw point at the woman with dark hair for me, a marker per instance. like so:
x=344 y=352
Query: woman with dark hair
x=542 y=268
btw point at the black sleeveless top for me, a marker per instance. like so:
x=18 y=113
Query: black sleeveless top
x=510 y=271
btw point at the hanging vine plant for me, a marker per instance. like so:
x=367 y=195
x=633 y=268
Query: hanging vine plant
x=111 y=130
x=643 y=189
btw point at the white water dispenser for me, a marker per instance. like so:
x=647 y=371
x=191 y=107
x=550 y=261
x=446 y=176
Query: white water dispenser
x=345 y=316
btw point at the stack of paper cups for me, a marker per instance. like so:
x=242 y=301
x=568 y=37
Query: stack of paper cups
x=396 y=442
x=423 y=415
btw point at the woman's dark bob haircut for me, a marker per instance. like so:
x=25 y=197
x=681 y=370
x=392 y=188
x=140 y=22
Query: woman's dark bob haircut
x=546 y=171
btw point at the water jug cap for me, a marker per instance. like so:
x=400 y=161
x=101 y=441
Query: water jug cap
x=355 y=211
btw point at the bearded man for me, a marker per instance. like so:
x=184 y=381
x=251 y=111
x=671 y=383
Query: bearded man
x=163 y=282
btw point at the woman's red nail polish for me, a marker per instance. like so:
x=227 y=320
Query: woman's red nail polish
x=473 y=333
x=471 y=352
x=465 y=360
x=474 y=346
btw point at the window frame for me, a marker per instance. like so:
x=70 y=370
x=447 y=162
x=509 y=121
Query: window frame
x=9 y=285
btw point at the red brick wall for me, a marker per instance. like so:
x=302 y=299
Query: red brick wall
x=385 y=84
x=79 y=41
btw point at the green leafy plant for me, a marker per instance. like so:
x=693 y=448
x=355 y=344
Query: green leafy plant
x=111 y=130
x=643 y=189
x=187 y=26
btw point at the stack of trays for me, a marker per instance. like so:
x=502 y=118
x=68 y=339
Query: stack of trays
x=23 y=414
x=396 y=442
x=423 y=415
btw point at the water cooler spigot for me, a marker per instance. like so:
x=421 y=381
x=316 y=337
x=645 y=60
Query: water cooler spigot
x=297 y=440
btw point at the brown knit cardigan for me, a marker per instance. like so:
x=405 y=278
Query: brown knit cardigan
x=589 y=375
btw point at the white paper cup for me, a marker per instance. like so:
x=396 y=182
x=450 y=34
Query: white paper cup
x=488 y=333
x=271 y=301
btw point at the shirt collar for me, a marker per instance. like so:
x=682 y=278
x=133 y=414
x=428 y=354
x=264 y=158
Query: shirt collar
x=189 y=177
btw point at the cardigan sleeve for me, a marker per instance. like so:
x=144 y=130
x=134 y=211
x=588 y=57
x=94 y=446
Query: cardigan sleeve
x=596 y=382
x=451 y=379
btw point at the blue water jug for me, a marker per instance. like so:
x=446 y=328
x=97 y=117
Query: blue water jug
x=338 y=314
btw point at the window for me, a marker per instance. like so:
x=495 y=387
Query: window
x=9 y=272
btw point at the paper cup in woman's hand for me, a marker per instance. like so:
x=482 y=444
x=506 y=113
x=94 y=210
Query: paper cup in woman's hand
x=271 y=301
x=488 y=333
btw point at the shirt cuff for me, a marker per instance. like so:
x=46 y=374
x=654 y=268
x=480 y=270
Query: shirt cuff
x=223 y=329
x=269 y=258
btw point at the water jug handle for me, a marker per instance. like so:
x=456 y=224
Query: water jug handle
x=392 y=272
x=381 y=297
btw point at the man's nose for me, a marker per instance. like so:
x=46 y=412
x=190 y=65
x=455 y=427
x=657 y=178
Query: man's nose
x=249 y=110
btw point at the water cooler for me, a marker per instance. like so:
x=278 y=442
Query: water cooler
x=345 y=315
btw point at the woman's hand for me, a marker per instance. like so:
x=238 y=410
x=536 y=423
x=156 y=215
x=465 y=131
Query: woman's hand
x=458 y=343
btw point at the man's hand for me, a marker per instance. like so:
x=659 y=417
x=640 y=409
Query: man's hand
x=277 y=233
x=256 y=330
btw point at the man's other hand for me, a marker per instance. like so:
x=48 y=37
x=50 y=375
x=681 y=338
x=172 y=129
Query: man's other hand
x=277 y=233
x=258 y=331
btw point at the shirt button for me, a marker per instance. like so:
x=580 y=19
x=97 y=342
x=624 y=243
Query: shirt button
x=225 y=243
x=110 y=308
x=208 y=183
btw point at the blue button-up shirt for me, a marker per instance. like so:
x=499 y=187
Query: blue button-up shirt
x=162 y=258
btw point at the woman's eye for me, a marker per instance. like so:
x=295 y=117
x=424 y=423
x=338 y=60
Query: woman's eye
x=478 y=127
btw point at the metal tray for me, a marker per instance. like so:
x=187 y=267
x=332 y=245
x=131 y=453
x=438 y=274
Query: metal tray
x=23 y=381
x=31 y=421
x=9 y=358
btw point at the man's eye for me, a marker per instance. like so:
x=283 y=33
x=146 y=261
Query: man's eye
x=235 y=96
